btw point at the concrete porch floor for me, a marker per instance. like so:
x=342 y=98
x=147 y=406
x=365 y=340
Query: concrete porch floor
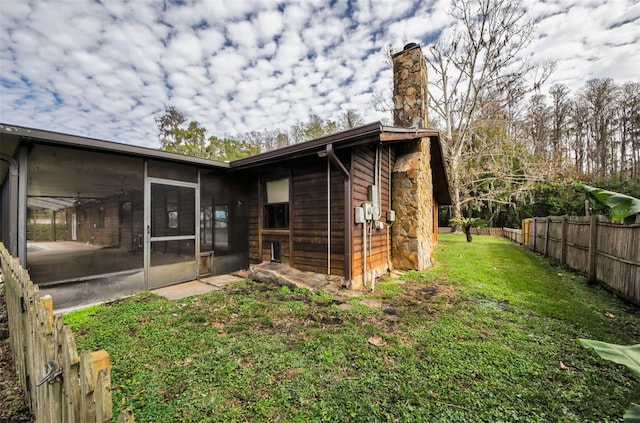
x=171 y=293
x=198 y=287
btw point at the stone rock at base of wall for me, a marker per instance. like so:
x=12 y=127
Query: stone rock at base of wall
x=281 y=274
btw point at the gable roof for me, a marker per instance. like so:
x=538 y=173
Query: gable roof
x=372 y=132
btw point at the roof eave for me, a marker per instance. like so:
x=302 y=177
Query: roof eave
x=391 y=134
x=343 y=138
x=107 y=146
x=441 y=190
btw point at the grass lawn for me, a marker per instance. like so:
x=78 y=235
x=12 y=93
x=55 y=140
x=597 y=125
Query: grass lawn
x=488 y=334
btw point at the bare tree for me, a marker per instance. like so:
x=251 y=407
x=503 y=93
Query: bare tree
x=382 y=101
x=477 y=60
x=537 y=124
x=560 y=106
x=629 y=129
x=599 y=97
x=266 y=140
x=578 y=122
x=350 y=119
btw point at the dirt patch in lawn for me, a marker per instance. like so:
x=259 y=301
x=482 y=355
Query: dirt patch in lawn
x=417 y=302
x=434 y=290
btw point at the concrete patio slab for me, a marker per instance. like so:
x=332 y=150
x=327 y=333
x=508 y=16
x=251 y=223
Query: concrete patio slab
x=221 y=281
x=184 y=290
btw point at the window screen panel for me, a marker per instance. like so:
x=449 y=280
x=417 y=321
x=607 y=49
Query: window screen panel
x=278 y=191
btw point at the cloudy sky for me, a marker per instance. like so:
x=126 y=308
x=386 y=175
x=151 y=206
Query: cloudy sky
x=104 y=68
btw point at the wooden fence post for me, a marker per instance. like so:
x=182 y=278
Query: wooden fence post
x=535 y=233
x=593 y=239
x=546 y=236
x=102 y=395
x=70 y=364
x=563 y=240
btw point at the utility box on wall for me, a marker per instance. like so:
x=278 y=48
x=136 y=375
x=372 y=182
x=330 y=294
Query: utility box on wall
x=391 y=216
x=368 y=211
x=358 y=215
x=372 y=196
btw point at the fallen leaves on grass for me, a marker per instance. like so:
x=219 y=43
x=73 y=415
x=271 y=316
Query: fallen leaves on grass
x=376 y=340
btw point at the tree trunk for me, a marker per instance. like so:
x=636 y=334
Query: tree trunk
x=467 y=232
x=456 y=205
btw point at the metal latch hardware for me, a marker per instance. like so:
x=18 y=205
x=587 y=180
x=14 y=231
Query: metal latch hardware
x=54 y=374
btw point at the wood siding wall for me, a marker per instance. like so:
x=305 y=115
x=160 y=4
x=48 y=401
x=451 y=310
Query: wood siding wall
x=253 y=224
x=363 y=175
x=310 y=216
x=304 y=244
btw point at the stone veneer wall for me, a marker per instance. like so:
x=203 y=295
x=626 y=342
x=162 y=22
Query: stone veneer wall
x=412 y=199
x=410 y=88
x=411 y=180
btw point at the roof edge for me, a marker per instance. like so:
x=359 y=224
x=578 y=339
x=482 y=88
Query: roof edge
x=309 y=147
x=102 y=145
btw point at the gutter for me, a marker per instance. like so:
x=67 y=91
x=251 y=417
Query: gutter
x=357 y=135
x=56 y=138
x=347 y=214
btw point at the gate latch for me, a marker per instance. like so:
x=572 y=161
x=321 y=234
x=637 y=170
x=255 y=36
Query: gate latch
x=54 y=374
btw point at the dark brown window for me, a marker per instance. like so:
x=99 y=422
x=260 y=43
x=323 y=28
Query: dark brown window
x=276 y=207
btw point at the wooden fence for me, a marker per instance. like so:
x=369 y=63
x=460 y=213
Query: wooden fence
x=474 y=231
x=514 y=235
x=605 y=252
x=487 y=231
x=78 y=386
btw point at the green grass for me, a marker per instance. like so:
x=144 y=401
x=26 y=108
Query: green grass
x=479 y=337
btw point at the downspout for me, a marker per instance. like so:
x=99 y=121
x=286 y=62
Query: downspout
x=347 y=213
x=389 y=262
x=328 y=217
x=13 y=204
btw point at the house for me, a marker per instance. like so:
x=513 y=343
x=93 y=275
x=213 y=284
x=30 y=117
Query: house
x=123 y=218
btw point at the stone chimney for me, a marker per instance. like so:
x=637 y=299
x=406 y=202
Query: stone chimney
x=411 y=181
x=410 y=88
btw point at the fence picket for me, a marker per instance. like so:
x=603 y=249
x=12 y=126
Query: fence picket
x=605 y=252
x=87 y=406
x=36 y=337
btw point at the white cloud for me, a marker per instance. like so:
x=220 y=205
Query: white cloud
x=243 y=34
x=228 y=62
x=291 y=50
x=268 y=24
x=184 y=49
x=104 y=69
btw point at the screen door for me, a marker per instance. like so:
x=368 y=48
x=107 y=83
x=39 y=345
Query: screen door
x=171 y=238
